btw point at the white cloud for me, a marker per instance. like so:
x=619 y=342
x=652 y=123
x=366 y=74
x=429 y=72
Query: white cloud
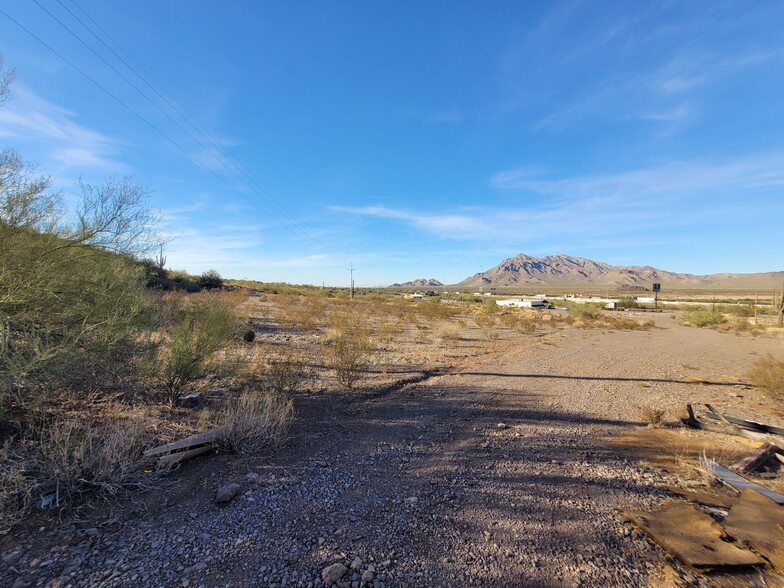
x=29 y=118
x=669 y=195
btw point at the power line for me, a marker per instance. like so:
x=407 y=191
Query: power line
x=268 y=198
x=203 y=132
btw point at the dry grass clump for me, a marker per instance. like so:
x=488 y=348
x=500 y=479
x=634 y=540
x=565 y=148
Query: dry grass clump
x=77 y=459
x=449 y=332
x=254 y=420
x=767 y=373
x=651 y=415
x=17 y=489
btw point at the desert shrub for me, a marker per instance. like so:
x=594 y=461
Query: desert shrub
x=484 y=321
x=651 y=415
x=449 y=332
x=526 y=325
x=210 y=279
x=627 y=302
x=197 y=333
x=586 y=312
x=768 y=374
x=489 y=306
x=254 y=420
x=68 y=313
x=289 y=371
x=17 y=489
x=347 y=349
x=77 y=460
x=705 y=318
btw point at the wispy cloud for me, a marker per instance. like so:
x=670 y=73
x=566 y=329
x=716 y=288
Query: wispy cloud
x=31 y=118
x=601 y=206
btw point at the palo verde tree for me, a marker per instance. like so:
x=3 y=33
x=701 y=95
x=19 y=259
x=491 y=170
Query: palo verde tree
x=71 y=298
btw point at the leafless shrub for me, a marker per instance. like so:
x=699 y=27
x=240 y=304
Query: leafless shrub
x=254 y=420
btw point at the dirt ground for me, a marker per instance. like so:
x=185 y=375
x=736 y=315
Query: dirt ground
x=504 y=461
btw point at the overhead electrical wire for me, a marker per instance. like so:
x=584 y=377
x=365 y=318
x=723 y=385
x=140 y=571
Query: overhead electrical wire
x=258 y=190
x=191 y=120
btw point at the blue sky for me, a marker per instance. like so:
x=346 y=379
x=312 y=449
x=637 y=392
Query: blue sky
x=417 y=139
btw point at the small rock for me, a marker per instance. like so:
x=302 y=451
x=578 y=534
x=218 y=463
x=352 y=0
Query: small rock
x=11 y=558
x=368 y=576
x=331 y=574
x=226 y=493
x=91 y=532
x=503 y=426
x=356 y=565
x=253 y=478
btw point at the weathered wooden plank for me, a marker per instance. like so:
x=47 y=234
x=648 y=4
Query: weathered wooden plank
x=740 y=483
x=172 y=458
x=205 y=438
x=727 y=429
x=702 y=497
x=758 y=521
x=192 y=441
x=691 y=536
x=746 y=424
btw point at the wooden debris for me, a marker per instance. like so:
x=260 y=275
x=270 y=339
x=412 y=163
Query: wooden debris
x=726 y=428
x=740 y=483
x=757 y=460
x=189 y=442
x=758 y=521
x=746 y=424
x=691 y=536
x=192 y=446
x=173 y=458
x=702 y=497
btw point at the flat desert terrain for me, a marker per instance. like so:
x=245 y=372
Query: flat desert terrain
x=489 y=456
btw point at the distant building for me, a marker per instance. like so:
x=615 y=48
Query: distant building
x=518 y=303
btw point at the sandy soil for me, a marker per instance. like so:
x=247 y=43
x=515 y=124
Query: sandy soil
x=498 y=471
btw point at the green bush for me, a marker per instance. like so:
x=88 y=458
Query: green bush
x=589 y=311
x=210 y=279
x=197 y=333
x=705 y=318
x=489 y=306
x=68 y=314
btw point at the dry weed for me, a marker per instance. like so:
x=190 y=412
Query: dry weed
x=17 y=489
x=449 y=332
x=254 y=420
x=767 y=373
x=651 y=415
x=82 y=458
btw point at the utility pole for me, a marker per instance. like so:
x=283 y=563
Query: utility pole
x=351 y=288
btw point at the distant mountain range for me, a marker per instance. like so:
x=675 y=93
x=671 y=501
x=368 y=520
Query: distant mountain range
x=420 y=283
x=565 y=270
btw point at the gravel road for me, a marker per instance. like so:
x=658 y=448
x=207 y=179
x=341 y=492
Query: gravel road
x=500 y=475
